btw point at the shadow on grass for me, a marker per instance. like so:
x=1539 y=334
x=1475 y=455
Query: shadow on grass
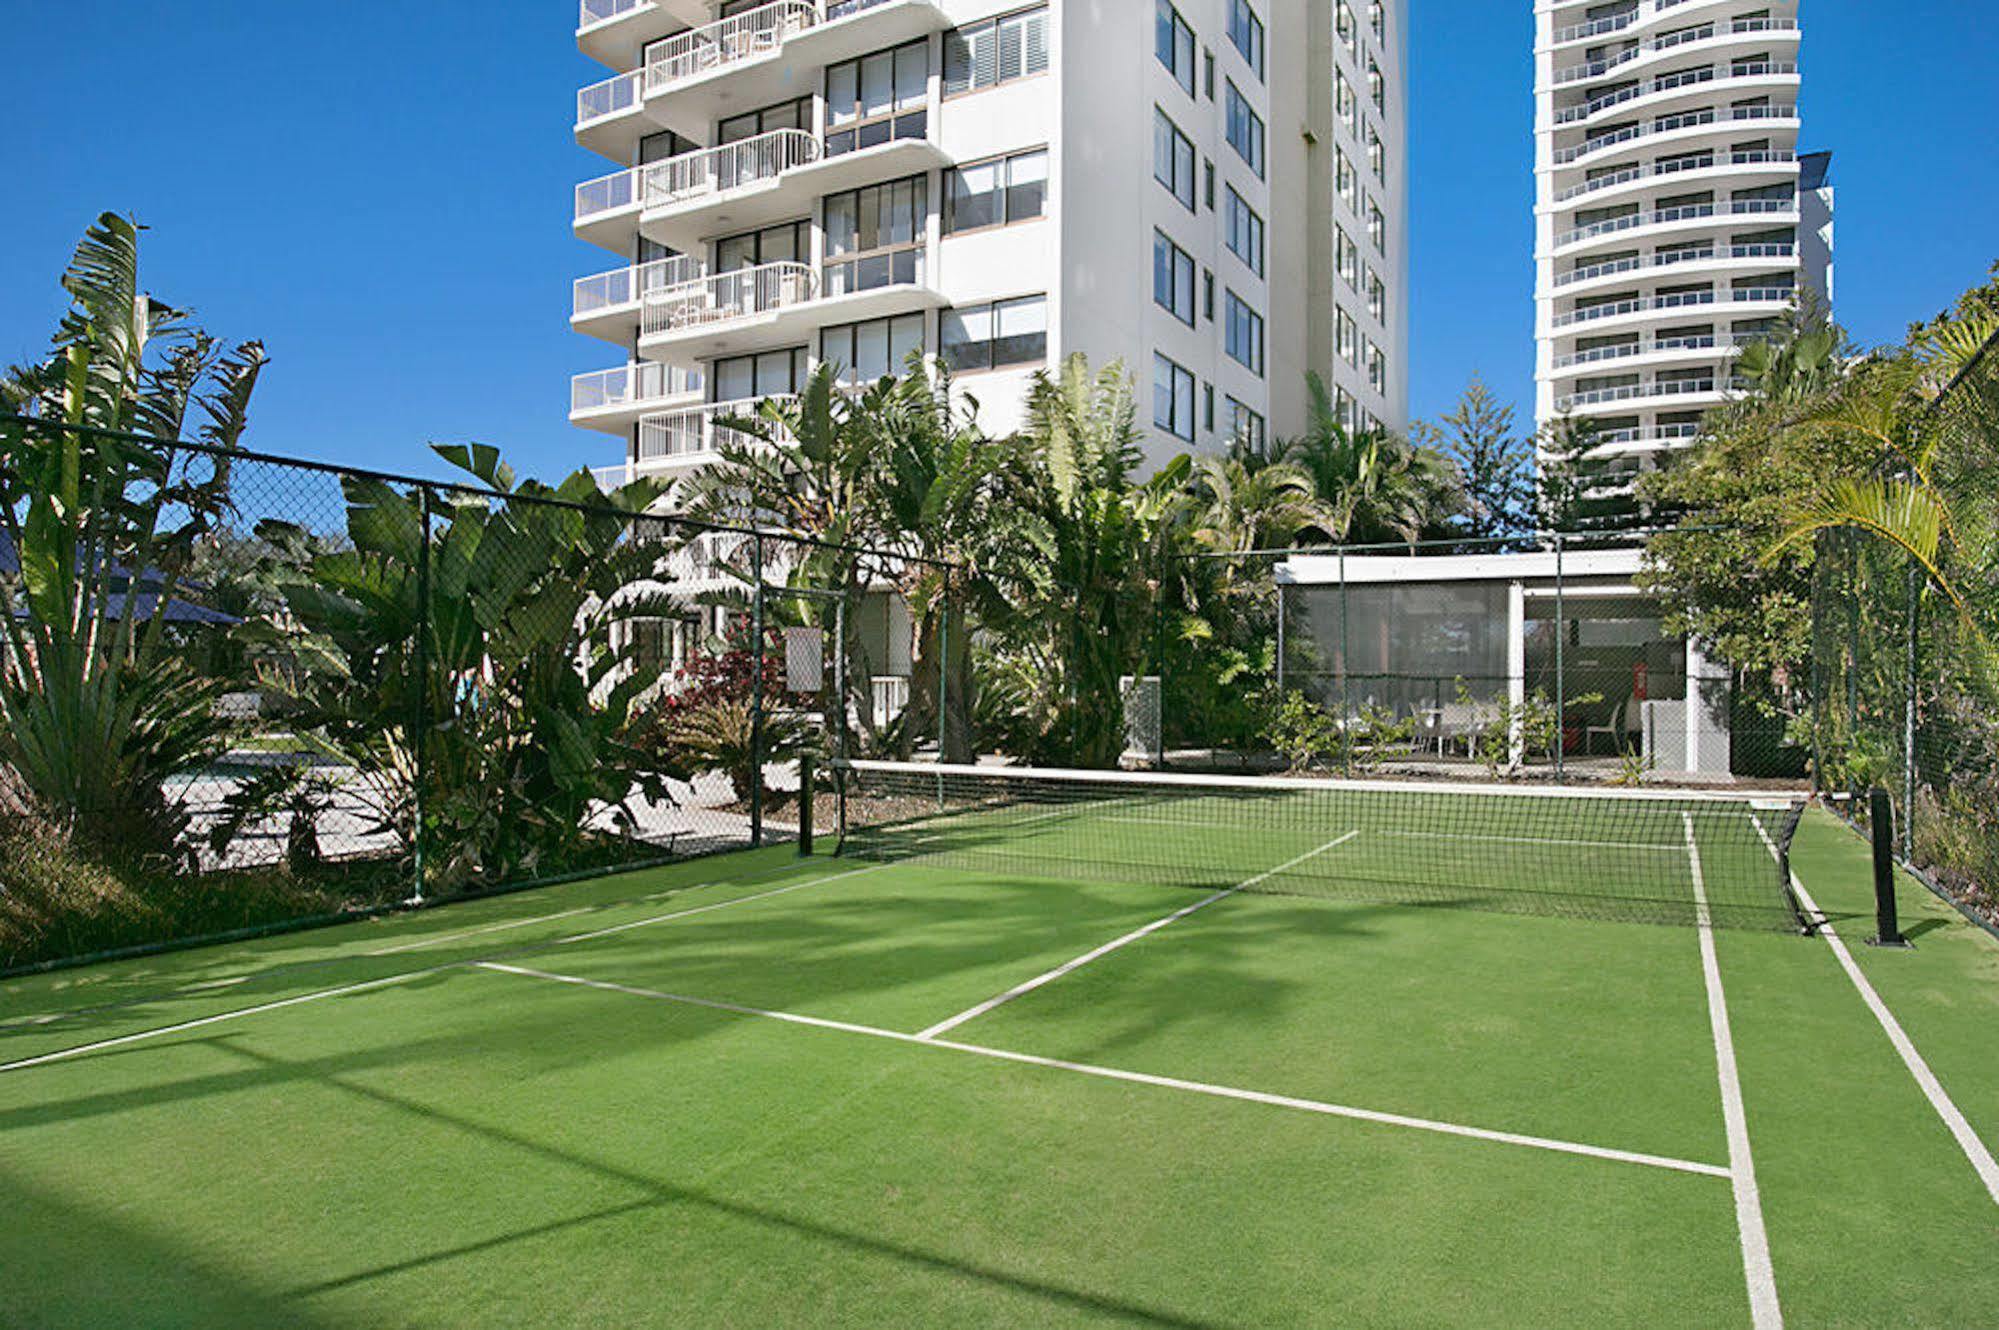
x=658 y=1194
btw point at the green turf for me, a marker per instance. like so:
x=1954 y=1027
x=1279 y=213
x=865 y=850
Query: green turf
x=464 y=1146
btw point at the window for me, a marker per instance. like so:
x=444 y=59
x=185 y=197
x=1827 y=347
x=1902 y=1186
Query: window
x=1243 y=335
x=868 y=351
x=1348 y=255
x=1173 y=43
x=1207 y=295
x=1208 y=74
x=1377 y=18
x=875 y=236
x=794 y=114
x=1349 y=339
x=1245 y=128
x=1172 y=278
x=1246 y=32
x=1245 y=232
x=787 y=243
x=1377 y=155
x=1377 y=86
x=1000 y=50
x=1208 y=407
x=1377 y=368
x=878 y=98
x=1172 y=158
x=1247 y=429
x=1348 y=29
x=771 y=374
x=996 y=193
x=1377 y=228
x=1208 y=184
x=1006 y=332
x=1172 y=398
x=1345 y=105
x=1345 y=179
x=1377 y=298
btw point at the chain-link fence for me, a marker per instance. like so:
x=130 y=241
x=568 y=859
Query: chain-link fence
x=1907 y=679
x=245 y=691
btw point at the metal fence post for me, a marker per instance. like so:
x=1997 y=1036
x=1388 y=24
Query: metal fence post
x=756 y=790
x=944 y=674
x=1910 y=662
x=1283 y=605
x=1346 y=680
x=420 y=741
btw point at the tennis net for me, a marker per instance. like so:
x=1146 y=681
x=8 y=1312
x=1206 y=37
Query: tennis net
x=1641 y=855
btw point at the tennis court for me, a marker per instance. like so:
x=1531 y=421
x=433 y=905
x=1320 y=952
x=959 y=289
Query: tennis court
x=1050 y=1049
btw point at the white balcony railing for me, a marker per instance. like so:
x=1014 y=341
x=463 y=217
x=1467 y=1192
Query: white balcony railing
x=716 y=171
x=593 y=12
x=1678 y=300
x=1669 y=82
x=631 y=385
x=1595 y=69
x=1667 y=124
x=613 y=96
x=695 y=430
x=1705 y=161
x=627 y=286
x=1632 y=392
x=607 y=193
x=1726 y=343
x=1685 y=213
x=1673 y=258
x=743 y=36
x=722 y=297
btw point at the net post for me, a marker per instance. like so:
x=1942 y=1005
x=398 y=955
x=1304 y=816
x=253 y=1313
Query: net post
x=1888 y=930
x=756 y=790
x=807 y=791
x=1786 y=883
x=421 y=744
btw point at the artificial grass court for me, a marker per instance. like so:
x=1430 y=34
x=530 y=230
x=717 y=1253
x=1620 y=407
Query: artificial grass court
x=700 y=1095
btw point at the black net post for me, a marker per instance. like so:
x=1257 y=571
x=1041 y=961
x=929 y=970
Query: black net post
x=807 y=792
x=420 y=741
x=756 y=790
x=1888 y=931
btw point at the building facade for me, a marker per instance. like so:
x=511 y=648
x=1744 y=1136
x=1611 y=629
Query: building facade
x=1209 y=191
x=1677 y=221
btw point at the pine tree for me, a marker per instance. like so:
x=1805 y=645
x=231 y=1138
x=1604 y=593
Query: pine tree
x=1495 y=466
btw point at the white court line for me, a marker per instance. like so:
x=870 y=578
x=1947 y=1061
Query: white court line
x=1143 y=1078
x=79 y=1050
x=1967 y=1139
x=1764 y=1310
x=443 y=938
x=1020 y=990
x=182 y=1026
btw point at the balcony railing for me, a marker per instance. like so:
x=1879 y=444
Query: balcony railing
x=1723 y=342
x=1632 y=392
x=592 y=12
x=1771 y=250
x=743 y=36
x=611 y=97
x=1667 y=124
x=1685 y=213
x=695 y=430
x=1668 y=82
x=1595 y=69
x=723 y=297
x=627 y=286
x=1679 y=300
x=1706 y=161
x=715 y=171
x=607 y=194
x=631 y=385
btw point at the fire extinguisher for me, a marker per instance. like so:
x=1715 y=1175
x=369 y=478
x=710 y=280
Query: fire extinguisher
x=1641 y=679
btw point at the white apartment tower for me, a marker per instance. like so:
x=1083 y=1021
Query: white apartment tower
x=1676 y=217
x=1210 y=191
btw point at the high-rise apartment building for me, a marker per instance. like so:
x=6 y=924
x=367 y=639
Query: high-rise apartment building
x=1677 y=219
x=1210 y=191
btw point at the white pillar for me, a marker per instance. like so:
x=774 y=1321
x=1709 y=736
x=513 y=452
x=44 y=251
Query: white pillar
x=1516 y=666
x=1707 y=713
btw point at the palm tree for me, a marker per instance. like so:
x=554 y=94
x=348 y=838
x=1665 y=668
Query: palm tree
x=1373 y=486
x=1236 y=508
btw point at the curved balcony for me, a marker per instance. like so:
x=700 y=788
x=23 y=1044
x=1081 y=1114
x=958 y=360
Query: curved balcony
x=1773 y=299
x=1647 y=351
x=1709 y=258
x=692 y=434
x=763 y=180
x=615 y=32
x=1685 y=124
x=612 y=400
x=1717 y=34
x=1694 y=216
x=607 y=305
x=1637 y=19
x=1671 y=391
x=1777 y=162
x=610 y=117
x=699 y=76
x=1685 y=84
x=780 y=303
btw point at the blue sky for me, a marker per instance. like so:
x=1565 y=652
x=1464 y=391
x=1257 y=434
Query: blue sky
x=381 y=192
